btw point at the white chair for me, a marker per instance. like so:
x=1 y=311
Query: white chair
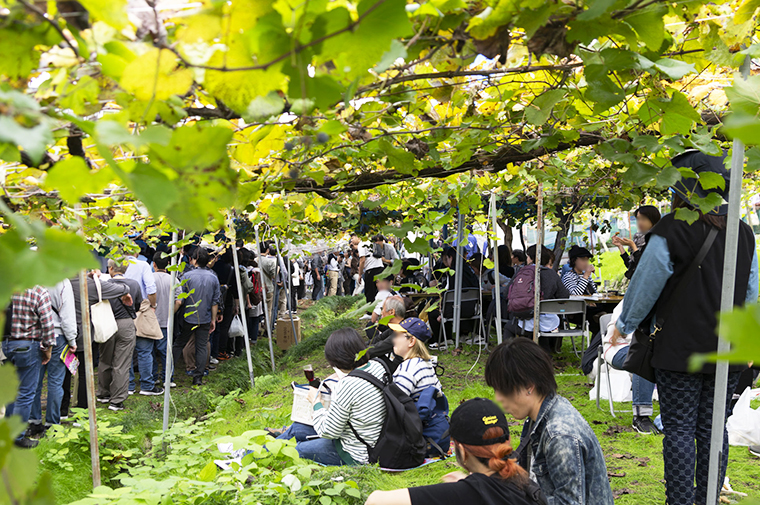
x=604 y=322
x=564 y=307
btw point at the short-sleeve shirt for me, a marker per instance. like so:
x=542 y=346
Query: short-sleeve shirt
x=163 y=297
x=476 y=488
x=203 y=286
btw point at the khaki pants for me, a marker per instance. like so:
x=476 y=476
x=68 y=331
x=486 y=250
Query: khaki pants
x=270 y=302
x=334 y=277
x=115 y=360
x=282 y=304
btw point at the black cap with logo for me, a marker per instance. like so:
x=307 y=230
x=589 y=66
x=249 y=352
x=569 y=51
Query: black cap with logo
x=473 y=418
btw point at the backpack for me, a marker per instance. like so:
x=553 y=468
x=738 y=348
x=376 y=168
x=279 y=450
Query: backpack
x=255 y=294
x=433 y=407
x=401 y=444
x=521 y=295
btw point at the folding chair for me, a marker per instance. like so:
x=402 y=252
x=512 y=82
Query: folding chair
x=604 y=322
x=565 y=308
x=470 y=304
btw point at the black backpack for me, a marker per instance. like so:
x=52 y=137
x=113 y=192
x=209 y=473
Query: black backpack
x=401 y=444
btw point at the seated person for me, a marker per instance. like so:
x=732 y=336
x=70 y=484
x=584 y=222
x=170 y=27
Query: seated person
x=393 y=307
x=564 y=453
x=384 y=290
x=411 y=276
x=579 y=282
x=480 y=435
x=416 y=377
x=469 y=280
x=551 y=289
x=614 y=352
x=518 y=259
x=354 y=400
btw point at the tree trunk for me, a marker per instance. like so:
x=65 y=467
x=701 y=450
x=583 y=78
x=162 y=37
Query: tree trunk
x=559 y=243
x=507 y=230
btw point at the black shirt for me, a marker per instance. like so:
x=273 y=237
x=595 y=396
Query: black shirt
x=121 y=311
x=479 y=489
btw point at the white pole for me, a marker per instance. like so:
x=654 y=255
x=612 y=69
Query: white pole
x=286 y=285
x=243 y=319
x=267 y=316
x=169 y=364
x=496 y=275
x=726 y=305
x=458 y=280
x=539 y=247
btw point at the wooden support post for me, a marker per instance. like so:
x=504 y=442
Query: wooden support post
x=539 y=246
x=89 y=378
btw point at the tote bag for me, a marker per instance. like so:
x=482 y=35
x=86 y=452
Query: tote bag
x=146 y=322
x=103 y=322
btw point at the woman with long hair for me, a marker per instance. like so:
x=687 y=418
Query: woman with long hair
x=480 y=434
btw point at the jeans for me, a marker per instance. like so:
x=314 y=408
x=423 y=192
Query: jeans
x=686 y=405
x=159 y=358
x=321 y=450
x=56 y=371
x=144 y=349
x=642 y=388
x=27 y=358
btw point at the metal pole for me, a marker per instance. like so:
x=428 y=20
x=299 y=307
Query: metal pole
x=243 y=319
x=726 y=305
x=286 y=285
x=84 y=300
x=267 y=317
x=169 y=365
x=458 y=280
x=496 y=274
x=539 y=247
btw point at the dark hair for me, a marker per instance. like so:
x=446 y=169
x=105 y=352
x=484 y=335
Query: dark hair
x=378 y=238
x=342 y=347
x=719 y=222
x=519 y=364
x=650 y=212
x=519 y=254
x=161 y=261
x=505 y=260
x=546 y=255
x=450 y=251
x=201 y=257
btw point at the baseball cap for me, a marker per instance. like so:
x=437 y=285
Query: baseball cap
x=579 y=252
x=473 y=418
x=414 y=326
x=689 y=187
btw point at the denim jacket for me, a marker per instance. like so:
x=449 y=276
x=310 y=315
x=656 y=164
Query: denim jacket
x=566 y=459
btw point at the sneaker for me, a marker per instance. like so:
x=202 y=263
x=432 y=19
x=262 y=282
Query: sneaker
x=189 y=373
x=26 y=443
x=197 y=381
x=104 y=399
x=212 y=366
x=644 y=425
x=172 y=384
x=116 y=407
x=131 y=392
x=157 y=390
x=754 y=450
x=35 y=429
x=213 y=361
x=64 y=418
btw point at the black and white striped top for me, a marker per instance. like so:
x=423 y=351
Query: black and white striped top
x=577 y=284
x=414 y=375
x=355 y=400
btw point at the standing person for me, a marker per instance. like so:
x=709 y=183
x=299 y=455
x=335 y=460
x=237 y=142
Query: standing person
x=255 y=312
x=377 y=256
x=480 y=435
x=201 y=312
x=268 y=275
x=116 y=352
x=561 y=449
x=28 y=342
x=111 y=291
x=283 y=287
x=646 y=217
x=65 y=324
x=296 y=280
x=685 y=325
x=302 y=269
x=333 y=274
x=317 y=265
x=163 y=308
x=139 y=270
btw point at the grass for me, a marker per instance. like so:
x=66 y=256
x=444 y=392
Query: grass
x=635 y=460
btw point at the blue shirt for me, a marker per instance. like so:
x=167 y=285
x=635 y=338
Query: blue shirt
x=654 y=269
x=141 y=272
x=203 y=286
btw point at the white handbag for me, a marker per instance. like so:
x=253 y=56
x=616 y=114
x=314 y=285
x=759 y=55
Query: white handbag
x=236 y=328
x=103 y=321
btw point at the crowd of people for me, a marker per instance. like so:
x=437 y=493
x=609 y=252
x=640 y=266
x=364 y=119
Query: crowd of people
x=385 y=403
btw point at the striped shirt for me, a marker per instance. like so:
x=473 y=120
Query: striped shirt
x=356 y=400
x=414 y=375
x=577 y=284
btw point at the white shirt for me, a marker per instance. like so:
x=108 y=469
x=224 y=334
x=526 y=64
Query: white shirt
x=608 y=350
x=380 y=299
x=296 y=274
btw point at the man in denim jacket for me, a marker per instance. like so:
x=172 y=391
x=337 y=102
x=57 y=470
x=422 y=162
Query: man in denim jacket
x=557 y=447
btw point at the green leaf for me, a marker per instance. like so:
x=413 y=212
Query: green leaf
x=400 y=159
x=688 y=215
x=601 y=89
x=711 y=180
x=746 y=11
x=263 y=107
x=595 y=9
x=649 y=26
x=113 y=12
x=674 y=69
x=539 y=110
x=155 y=76
x=393 y=269
x=208 y=473
x=640 y=173
x=22 y=124
x=743 y=127
x=397 y=50
x=9 y=380
x=73 y=179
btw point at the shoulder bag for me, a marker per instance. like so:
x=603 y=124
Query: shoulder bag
x=639 y=359
x=103 y=320
x=146 y=322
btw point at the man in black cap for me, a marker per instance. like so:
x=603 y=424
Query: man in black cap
x=480 y=435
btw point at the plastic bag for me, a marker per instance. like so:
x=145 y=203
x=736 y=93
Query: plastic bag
x=744 y=424
x=236 y=328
